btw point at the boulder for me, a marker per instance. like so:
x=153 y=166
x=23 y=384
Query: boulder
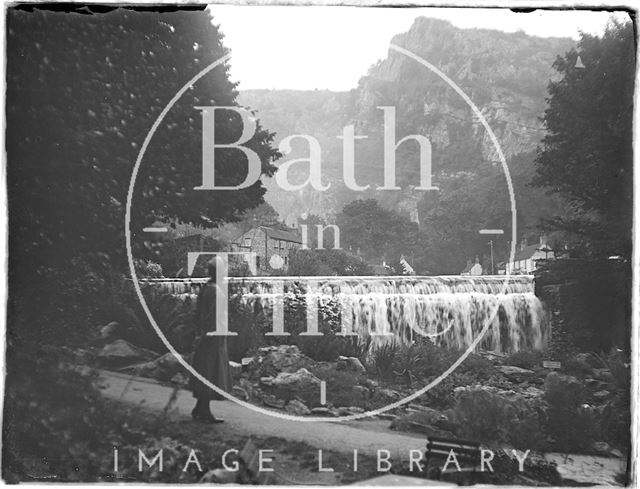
x=163 y=368
x=515 y=374
x=603 y=374
x=532 y=392
x=297 y=407
x=299 y=380
x=371 y=384
x=323 y=411
x=219 y=476
x=120 y=353
x=272 y=401
x=240 y=393
x=180 y=379
x=282 y=358
x=360 y=392
x=235 y=369
x=601 y=448
x=601 y=395
x=387 y=395
x=350 y=363
x=386 y=416
x=422 y=422
x=110 y=331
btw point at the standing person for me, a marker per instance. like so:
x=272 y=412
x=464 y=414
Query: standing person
x=211 y=359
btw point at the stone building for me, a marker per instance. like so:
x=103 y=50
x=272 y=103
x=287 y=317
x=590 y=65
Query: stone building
x=524 y=261
x=271 y=246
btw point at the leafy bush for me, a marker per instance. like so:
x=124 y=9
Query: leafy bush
x=524 y=359
x=381 y=360
x=174 y=316
x=568 y=422
x=493 y=416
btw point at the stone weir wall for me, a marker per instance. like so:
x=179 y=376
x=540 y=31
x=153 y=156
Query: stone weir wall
x=449 y=310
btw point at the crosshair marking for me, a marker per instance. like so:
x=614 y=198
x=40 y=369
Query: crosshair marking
x=323 y=392
x=491 y=231
x=155 y=230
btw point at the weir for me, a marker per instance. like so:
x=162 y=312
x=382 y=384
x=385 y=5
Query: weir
x=449 y=310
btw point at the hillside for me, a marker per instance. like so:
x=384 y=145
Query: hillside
x=504 y=74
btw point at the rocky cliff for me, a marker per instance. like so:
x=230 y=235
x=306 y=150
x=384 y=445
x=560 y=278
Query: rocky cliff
x=504 y=74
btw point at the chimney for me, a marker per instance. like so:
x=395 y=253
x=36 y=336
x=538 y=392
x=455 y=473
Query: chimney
x=523 y=243
x=543 y=240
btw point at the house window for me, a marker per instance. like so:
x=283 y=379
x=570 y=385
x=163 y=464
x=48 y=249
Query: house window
x=247 y=242
x=257 y=262
x=282 y=245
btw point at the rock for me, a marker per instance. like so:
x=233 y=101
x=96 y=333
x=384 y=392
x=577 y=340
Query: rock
x=110 y=331
x=323 y=411
x=360 y=392
x=350 y=363
x=386 y=416
x=240 y=393
x=246 y=362
x=418 y=422
x=266 y=381
x=180 y=379
x=297 y=407
x=371 y=384
x=532 y=392
x=219 y=476
x=389 y=394
x=603 y=374
x=282 y=358
x=163 y=368
x=616 y=453
x=302 y=379
x=601 y=394
x=585 y=360
x=601 y=447
x=272 y=401
x=235 y=368
x=83 y=356
x=121 y=353
x=514 y=373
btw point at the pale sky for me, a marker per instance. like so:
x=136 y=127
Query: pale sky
x=332 y=47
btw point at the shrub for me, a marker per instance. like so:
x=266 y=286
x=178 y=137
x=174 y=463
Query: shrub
x=381 y=360
x=493 y=416
x=568 y=422
x=524 y=359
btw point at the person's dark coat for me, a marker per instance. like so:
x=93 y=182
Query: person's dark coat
x=211 y=358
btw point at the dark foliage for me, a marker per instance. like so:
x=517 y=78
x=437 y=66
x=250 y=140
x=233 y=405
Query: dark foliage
x=587 y=154
x=82 y=93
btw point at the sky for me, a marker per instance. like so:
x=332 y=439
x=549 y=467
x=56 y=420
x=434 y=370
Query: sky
x=309 y=48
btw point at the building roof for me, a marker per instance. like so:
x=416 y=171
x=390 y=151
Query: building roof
x=528 y=251
x=283 y=235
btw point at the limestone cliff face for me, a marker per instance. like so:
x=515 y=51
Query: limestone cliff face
x=505 y=75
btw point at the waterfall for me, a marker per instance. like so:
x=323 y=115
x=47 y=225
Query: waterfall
x=449 y=310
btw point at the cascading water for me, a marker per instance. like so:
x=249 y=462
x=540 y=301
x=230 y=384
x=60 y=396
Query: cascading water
x=450 y=310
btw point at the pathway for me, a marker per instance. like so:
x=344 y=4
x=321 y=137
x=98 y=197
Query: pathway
x=367 y=436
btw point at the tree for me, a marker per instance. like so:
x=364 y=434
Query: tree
x=82 y=93
x=586 y=155
x=377 y=232
x=326 y=262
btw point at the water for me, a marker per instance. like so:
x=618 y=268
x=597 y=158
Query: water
x=449 y=310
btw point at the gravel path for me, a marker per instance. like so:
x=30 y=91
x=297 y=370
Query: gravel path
x=367 y=436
